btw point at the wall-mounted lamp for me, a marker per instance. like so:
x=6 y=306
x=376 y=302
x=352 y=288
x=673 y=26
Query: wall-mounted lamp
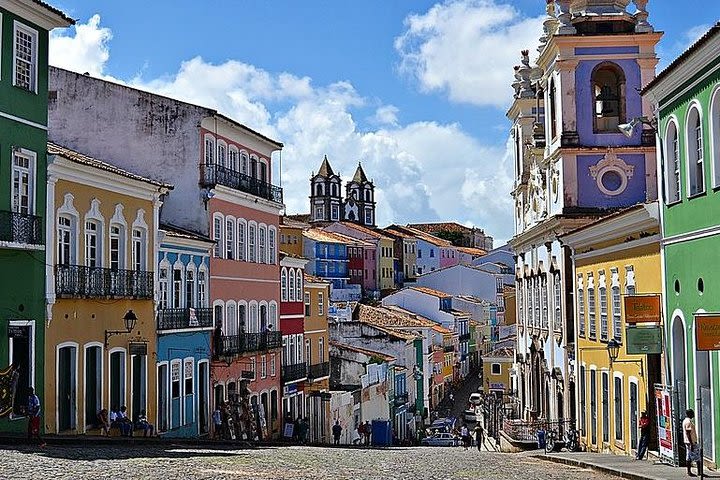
x=613 y=349
x=130 y=320
x=628 y=128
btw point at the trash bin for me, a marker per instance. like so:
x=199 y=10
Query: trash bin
x=541 y=438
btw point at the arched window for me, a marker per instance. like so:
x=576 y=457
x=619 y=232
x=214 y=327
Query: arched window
x=334 y=189
x=209 y=150
x=244 y=163
x=229 y=238
x=672 y=167
x=291 y=288
x=319 y=190
x=218 y=235
x=552 y=106
x=608 y=89
x=695 y=160
x=241 y=227
x=262 y=232
x=230 y=327
x=271 y=246
x=221 y=154
x=299 y=285
x=251 y=242
x=283 y=285
x=253 y=167
x=263 y=317
x=242 y=316
x=715 y=135
x=233 y=158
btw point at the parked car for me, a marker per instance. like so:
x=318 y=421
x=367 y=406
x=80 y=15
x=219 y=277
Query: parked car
x=470 y=415
x=475 y=398
x=441 y=439
x=442 y=425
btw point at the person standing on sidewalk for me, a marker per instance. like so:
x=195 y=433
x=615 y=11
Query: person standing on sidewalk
x=692 y=452
x=479 y=436
x=336 y=431
x=644 y=426
x=33 y=411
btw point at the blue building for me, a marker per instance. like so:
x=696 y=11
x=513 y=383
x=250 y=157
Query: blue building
x=328 y=255
x=184 y=329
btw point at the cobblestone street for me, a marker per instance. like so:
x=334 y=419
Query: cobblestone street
x=181 y=462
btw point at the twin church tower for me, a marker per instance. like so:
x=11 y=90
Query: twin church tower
x=327 y=204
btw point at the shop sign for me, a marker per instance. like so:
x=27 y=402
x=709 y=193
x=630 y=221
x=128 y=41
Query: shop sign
x=642 y=309
x=707 y=331
x=644 y=340
x=497 y=386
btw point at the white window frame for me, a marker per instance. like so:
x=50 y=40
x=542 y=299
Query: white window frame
x=66 y=232
x=191 y=286
x=233 y=158
x=222 y=150
x=177 y=294
x=291 y=285
x=31 y=172
x=18 y=26
x=163 y=285
x=138 y=250
x=252 y=242
x=672 y=167
x=202 y=286
x=241 y=239
x=262 y=243
x=209 y=149
x=218 y=237
x=693 y=159
x=283 y=285
x=715 y=134
x=272 y=245
x=263 y=366
x=298 y=284
x=229 y=241
x=321 y=303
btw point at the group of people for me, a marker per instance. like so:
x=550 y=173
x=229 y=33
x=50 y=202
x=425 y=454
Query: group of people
x=364 y=432
x=476 y=436
x=118 y=418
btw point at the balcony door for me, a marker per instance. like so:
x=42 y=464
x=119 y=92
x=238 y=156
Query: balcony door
x=66 y=388
x=93 y=385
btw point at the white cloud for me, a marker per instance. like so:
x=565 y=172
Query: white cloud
x=668 y=53
x=467 y=48
x=86 y=51
x=423 y=171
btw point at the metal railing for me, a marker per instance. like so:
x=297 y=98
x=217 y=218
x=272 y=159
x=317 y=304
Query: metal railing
x=178 y=318
x=249 y=342
x=82 y=281
x=319 y=370
x=294 y=372
x=448 y=348
x=464 y=337
x=21 y=228
x=526 y=431
x=401 y=398
x=212 y=174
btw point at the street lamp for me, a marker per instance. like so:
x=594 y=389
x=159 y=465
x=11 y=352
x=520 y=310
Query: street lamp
x=628 y=128
x=130 y=320
x=613 y=349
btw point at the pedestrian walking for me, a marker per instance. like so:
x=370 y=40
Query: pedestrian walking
x=217 y=423
x=33 y=411
x=465 y=435
x=644 y=426
x=336 y=431
x=368 y=433
x=479 y=436
x=692 y=452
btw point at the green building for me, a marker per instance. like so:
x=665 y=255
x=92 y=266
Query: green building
x=24 y=32
x=686 y=97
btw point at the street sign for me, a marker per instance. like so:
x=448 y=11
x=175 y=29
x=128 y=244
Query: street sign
x=707 y=331
x=643 y=340
x=497 y=386
x=642 y=309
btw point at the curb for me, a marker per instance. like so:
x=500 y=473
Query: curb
x=593 y=466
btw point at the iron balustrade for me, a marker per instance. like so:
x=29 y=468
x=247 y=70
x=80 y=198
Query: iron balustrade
x=21 y=228
x=179 y=318
x=526 y=431
x=249 y=342
x=319 y=370
x=82 y=281
x=448 y=348
x=294 y=372
x=212 y=174
x=464 y=337
x=401 y=398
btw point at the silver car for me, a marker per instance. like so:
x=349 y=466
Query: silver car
x=441 y=439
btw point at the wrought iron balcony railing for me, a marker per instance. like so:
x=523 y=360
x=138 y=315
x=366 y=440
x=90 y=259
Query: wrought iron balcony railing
x=465 y=337
x=401 y=398
x=296 y=371
x=21 y=228
x=179 y=318
x=212 y=174
x=319 y=370
x=248 y=342
x=82 y=281
x=448 y=348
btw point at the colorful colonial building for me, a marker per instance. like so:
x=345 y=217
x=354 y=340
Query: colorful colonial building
x=317 y=354
x=100 y=337
x=24 y=32
x=686 y=96
x=572 y=166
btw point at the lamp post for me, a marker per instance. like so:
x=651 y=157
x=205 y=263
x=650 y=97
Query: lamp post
x=130 y=320
x=613 y=349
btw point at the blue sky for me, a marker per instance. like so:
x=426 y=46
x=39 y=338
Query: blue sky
x=416 y=90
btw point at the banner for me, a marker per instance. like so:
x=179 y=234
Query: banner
x=8 y=384
x=665 y=424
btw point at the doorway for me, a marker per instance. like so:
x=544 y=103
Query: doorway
x=203 y=398
x=93 y=385
x=162 y=392
x=66 y=388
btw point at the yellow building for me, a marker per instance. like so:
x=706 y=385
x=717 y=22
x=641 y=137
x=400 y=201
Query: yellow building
x=615 y=257
x=496 y=370
x=101 y=237
x=291 y=235
x=317 y=356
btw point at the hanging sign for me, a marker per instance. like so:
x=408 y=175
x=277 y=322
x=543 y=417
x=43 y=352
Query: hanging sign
x=642 y=309
x=707 y=331
x=643 y=340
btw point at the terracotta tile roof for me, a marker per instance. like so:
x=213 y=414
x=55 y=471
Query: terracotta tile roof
x=284 y=254
x=299 y=217
x=432 y=239
x=375 y=233
x=441 y=226
x=313 y=279
x=82 y=159
x=371 y=353
x=441 y=329
x=472 y=251
x=173 y=231
x=500 y=353
x=431 y=291
x=54 y=10
x=287 y=221
x=683 y=56
x=320 y=235
x=389 y=317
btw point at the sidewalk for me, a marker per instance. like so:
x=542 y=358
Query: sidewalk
x=623 y=466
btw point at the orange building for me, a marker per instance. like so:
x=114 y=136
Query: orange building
x=317 y=300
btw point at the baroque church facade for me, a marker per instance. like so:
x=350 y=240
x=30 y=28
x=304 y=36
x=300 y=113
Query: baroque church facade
x=572 y=166
x=328 y=205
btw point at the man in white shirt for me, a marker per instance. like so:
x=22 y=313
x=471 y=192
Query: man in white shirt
x=692 y=452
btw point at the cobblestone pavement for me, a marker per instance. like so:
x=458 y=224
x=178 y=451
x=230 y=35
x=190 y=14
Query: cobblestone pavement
x=182 y=462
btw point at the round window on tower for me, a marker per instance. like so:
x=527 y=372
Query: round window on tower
x=612 y=181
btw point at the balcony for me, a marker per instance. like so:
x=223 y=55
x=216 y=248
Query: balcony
x=319 y=370
x=448 y=348
x=291 y=373
x=179 y=318
x=248 y=342
x=82 y=281
x=20 y=228
x=465 y=337
x=401 y=399
x=212 y=174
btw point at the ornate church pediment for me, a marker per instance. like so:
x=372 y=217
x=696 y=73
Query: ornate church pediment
x=611 y=174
